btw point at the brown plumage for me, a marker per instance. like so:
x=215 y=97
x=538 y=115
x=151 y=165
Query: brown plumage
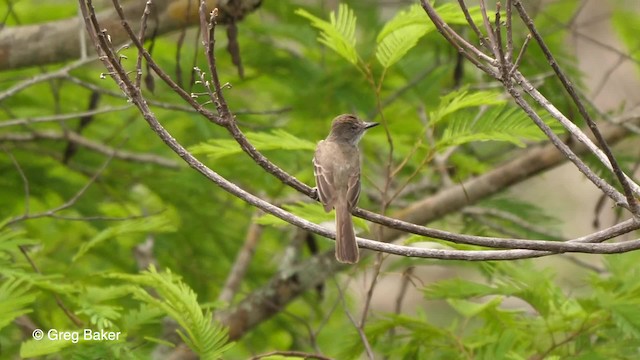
x=337 y=172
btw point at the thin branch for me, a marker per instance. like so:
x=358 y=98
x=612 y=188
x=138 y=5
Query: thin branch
x=241 y=264
x=23 y=176
x=509 y=26
x=490 y=32
x=367 y=304
x=484 y=41
x=67 y=204
x=543 y=247
x=625 y=182
x=68 y=313
x=91 y=145
x=63 y=72
x=141 y=38
x=482 y=211
x=63 y=117
x=452 y=37
x=359 y=329
x=574 y=130
x=208 y=38
x=504 y=68
x=523 y=49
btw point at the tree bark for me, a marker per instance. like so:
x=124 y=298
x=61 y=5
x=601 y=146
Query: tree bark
x=57 y=41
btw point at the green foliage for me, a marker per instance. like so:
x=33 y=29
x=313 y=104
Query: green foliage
x=397 y=37
x=500 y=123
x=462 y=99
x=481 y=116
x=489 y=327
x=34 y=348
x=276 y=140
x=15 y=297
x=87 y=256
x=627 y=26
x=158 y=223
x=178 y=301
x=402 y=33
x=339 y=33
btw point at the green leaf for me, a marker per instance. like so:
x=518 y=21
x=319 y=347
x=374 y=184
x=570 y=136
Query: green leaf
x=626 y=316
x=276 y=140
x=462 y=99
x=470 y=309
x=395 y=46
x=500 y=123
x=33 y=348
x=15 y=296
x=627 y=25
x=404 y=30
x=339 y=33
x=458 y=289
x=136 y=318
x=157 y=223
x=207 y=338
x=10 y=239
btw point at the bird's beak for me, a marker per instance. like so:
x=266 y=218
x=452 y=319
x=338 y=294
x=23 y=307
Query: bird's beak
x=369 y=125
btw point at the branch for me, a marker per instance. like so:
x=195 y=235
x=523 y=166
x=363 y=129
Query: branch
x=624 y=180
x=471 y=53
x=63 y=117
x=285 y=286
x=58 y=41
x=91 y=145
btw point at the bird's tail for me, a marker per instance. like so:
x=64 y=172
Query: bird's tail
x=346 y=246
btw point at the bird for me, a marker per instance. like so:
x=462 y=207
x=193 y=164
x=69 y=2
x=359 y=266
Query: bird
x=336 y=164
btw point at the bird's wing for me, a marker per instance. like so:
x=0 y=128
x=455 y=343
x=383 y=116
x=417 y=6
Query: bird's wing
x=353 y=189
x=324 y=181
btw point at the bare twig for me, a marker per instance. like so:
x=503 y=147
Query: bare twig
x=141 y=38
x=452 y=37
x=63 y=117
x=509 y=26
x=359 y=329
x=68 y=203
x=91 y=145
x=503 y=215
x=625 y=182
x=481 y=38
x=25 y=180
x=63 y=72
x=243 y=259
x=367 y=304
x=523 y=49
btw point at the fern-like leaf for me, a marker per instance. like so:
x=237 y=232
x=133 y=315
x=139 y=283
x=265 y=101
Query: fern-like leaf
x=403 y=32
x=177 y=300
x=339 y=33
x=462 y=99
x=157 y=223
x=15 y=296
x=500 y=123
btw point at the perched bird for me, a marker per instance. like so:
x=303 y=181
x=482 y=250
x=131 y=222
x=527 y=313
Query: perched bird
x=337 y=171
